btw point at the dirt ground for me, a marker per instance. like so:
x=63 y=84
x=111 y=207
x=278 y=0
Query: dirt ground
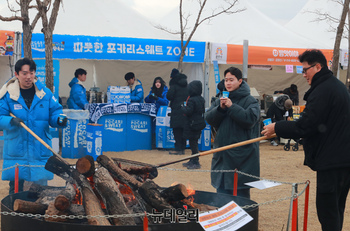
x=276 y=164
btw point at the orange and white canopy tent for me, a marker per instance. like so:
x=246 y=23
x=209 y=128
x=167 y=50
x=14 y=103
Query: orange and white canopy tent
x=259 y=55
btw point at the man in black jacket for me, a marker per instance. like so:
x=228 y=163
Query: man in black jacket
x=324 y=126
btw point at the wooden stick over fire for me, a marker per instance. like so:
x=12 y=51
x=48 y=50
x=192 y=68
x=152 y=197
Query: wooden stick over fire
x=212 y=151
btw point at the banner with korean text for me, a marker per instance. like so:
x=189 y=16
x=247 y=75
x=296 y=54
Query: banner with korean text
x=117 y=48
x=258 y=55
x=7 y=42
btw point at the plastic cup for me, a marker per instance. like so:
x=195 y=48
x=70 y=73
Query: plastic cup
x=267 y=121
x=225 y=94
x=62 y=117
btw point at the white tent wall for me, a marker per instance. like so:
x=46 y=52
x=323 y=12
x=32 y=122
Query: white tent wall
x=111 y=73
x=305 y=23
x=5 y=70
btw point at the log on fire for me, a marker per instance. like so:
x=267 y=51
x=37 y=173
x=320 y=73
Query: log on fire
x=148 y=190
x=90 y=202
x=23 y=206
x=86 y=165
x=64 y=199
x=113 y=199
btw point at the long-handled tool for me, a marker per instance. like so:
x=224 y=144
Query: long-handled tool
x=218 y=149
x=40 y=140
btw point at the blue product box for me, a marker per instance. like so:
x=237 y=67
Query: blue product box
x=94 y=140
x=139 y=136
x=114 y=132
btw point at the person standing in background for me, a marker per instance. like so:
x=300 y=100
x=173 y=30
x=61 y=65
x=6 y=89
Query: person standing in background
x=136 y=89
x=324 y=127
x=77 y=96
x=34 y=105
x=195 y=123
x=177 y=95
x=293 y=93
x=236 y=119
x=281 y=109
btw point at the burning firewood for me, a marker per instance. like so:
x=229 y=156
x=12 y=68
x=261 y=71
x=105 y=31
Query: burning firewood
x=148 y=190
x=22 y=206
x=91 y=203
x=51 y=210
x=63 y=200
x=112 y=197
x=175 y=193
x=86 y=166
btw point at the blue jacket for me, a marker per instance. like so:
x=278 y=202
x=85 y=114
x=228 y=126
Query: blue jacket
x=20 y=147
x=77 y=96
x=136 y=95
x=162 y=101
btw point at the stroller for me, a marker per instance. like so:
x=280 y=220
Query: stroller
x=295 y=147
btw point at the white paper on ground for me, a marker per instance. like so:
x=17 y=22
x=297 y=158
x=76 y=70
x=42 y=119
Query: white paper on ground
x=263 y=184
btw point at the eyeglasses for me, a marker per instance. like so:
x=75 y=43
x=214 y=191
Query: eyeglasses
x=305 y=69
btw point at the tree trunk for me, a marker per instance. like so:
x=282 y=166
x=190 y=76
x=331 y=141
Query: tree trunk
x=338 y=38
x=49 y=61
x=27 y=30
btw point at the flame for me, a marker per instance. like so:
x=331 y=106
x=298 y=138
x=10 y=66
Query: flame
x=190 y=190
x=126 y=192
x=78 y=198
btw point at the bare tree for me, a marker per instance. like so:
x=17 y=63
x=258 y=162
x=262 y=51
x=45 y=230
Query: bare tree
x=184 y=20
x=340 y=30
x=48 y=28
x=324 y=16
x=27 y=27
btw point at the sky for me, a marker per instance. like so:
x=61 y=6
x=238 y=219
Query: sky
x=279 y=10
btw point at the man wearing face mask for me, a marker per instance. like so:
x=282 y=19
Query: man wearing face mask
x=236 y=119
x=34 y=105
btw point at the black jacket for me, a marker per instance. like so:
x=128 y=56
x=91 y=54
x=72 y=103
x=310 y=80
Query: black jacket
x=276 y=112
x=294 y=97
x=238 y=123
x=177 y=94
x=194 y=110
x=324 y=124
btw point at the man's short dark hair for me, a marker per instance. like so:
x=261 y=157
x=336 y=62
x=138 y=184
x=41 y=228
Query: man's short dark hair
x=312 y=57
x=21 y=62
x=129 y=75
x=294 y=88
x=79 y=71
x=234 y=71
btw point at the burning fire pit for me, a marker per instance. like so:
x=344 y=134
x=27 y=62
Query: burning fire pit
x=17 y=223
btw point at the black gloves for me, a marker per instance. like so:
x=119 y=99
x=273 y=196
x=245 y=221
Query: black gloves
x=153 y=97
x=16 y=122
x=62 y=121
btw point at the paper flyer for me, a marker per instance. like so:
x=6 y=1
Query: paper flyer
x=262 y=184
x=228 y=217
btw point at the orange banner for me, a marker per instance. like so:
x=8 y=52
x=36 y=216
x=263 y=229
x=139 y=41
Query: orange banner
x=269 y=55
x=7 y=42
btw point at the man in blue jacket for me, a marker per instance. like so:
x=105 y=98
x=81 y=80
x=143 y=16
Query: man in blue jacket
x=34 y=105
x=136 y=89
x=77 y=96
